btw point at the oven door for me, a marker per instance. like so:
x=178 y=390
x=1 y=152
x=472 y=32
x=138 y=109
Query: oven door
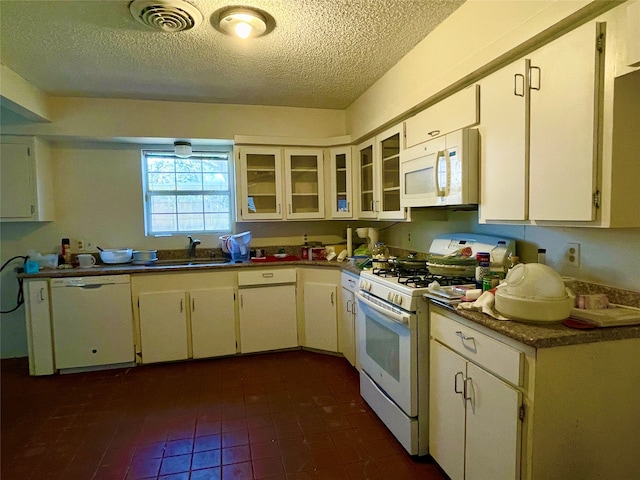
x=387 y=346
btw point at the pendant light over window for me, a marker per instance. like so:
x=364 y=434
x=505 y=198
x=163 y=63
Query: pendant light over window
x=242 y=22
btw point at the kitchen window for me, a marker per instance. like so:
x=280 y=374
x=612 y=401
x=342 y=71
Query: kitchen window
x=187 y=195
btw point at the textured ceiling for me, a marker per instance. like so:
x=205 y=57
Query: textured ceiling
x=322 y=53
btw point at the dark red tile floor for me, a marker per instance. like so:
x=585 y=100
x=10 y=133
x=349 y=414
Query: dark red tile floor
x=288 y=415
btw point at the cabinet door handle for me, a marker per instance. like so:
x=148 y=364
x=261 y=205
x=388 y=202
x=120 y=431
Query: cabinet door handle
x=348 y=207
x=455 y=383
x=376 y=207
x=241 y=302
x=433 y=133
x=371 y=206
x=267 y=275
x=349 y=306
x=332 y=298
x=515 y=84
x=279 y=210
x=289 y=208
x=468 y=391
x=193 y=304
x=42 y=294
x=539 y=77
x=181 y=305
x=467 y=342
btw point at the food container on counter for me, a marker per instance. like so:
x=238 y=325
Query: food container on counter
x=313 y=253
x=116 y=255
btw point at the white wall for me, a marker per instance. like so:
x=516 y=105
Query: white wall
x=607 y=256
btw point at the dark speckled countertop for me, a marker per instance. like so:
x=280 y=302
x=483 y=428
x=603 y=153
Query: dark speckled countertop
x=129 y=269
x=548 y=335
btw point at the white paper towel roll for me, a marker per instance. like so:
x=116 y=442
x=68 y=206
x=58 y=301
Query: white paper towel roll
x=349 y=242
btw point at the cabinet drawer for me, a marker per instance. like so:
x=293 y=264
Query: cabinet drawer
x=489 y=353
x=266 y=277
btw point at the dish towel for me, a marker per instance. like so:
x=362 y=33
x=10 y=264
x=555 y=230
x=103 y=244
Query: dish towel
x=483 y=304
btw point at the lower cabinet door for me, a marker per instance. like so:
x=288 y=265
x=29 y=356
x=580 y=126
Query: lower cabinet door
x=320 y=316
x=268 y=318
x=447 y=410
x=213 y=322
x=163 y=326
x=346 y=327
x=493 y=427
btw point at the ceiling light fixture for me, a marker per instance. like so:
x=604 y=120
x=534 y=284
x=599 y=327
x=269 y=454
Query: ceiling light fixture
x=242 y=22
x=182 y=149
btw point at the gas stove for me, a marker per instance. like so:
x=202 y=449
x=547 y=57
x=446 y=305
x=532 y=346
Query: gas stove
x=403 y=288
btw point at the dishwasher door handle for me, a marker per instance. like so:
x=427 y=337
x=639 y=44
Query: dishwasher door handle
x=91 y=286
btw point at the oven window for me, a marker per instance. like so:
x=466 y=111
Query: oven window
x=383 y=347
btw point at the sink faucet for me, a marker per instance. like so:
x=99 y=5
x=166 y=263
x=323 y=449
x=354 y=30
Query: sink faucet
x=193 y=243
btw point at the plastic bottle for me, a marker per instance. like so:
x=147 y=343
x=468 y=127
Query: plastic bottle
x=499 y=257
x=483 y=267
x=542 y=256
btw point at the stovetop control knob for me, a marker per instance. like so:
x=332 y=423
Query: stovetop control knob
x=364 y=285
x=398 y=300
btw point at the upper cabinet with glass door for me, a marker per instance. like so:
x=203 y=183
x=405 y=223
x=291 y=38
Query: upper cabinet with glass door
x=265 y=195
x=379 y=176
x=304 y=180
x=340 y=182
x=260 y=195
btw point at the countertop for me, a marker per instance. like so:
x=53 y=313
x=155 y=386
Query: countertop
x=547 y=335
x=537 y=336
x=130 y=269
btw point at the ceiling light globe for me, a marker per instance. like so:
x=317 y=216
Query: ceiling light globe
x=243 y=30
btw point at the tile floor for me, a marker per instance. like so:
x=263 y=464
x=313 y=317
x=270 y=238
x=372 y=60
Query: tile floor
x=288 y=415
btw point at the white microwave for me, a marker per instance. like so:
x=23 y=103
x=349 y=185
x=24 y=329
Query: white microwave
x=441 y=172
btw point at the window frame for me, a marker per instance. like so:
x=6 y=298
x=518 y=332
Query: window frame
x=200 y=153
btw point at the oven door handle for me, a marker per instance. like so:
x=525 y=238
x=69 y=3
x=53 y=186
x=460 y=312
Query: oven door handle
x=401 y=319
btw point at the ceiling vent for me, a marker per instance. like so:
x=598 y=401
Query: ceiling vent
x=166 y=15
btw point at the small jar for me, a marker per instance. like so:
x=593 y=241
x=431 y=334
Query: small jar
x=542 y=256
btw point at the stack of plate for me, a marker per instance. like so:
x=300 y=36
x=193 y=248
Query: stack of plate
x=144 y=257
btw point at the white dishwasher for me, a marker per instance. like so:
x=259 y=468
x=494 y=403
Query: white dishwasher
x=92 y=321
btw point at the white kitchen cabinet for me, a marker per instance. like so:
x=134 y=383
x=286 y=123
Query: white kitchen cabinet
x=304 y=183
x=474 y=425
x=38 y=322
x=321 y=316
x=379 y=176
x=278 y=184
x=460 y=110
x=268 y=318
x=559 y=437
x=184 y=315
x=213 y=326
x=261 y=187
x=163 y=326
x=267 y=310
x=341 y=182
x=26 y=189
x=347 y=319
x=549 y=102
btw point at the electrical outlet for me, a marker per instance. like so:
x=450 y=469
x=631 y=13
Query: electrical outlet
x=89 y=245
x=305 y=238
x=80 y=245
x=572 y=254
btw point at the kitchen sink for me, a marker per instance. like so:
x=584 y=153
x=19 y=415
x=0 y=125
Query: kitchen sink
x=190 y=261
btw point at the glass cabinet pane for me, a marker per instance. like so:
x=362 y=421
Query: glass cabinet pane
x=390 y=148
x=366 y=179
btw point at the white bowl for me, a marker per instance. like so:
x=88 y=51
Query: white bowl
x=534 y=310
x=535 y=293
x=116 y=255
